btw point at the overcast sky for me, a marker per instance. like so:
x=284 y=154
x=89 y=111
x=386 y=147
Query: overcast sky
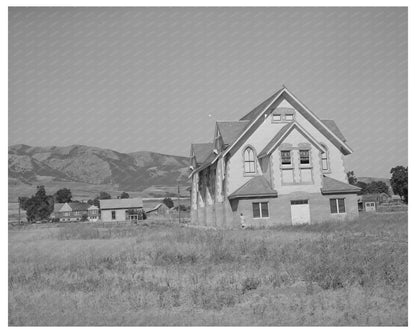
x=133 y=79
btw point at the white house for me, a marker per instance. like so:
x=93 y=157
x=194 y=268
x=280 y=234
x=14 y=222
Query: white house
x=116 y=210
x=93 y=213
x=278 y=164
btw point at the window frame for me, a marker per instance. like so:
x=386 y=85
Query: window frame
x=113 y=215
x=292 y=115
x=290 y=158
x=337 y=200
x=261 y=204
x=252 y=163
x=300 y=157
x=326 y=159
x=276 y=115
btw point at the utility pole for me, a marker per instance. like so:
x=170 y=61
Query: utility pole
x=179 y=208
x=18 y=199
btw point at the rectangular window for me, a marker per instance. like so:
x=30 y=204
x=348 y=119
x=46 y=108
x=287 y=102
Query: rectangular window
x=304 y=156
x=276 y=117
x=260 y=209
x=285 y=154
x=337 y=206
x=113 y=214
x=289 y=117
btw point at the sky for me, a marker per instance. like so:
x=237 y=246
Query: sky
x=157 y=79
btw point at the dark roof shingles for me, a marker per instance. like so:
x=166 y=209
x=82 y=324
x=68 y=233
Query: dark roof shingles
x=330 y=185
x=257 y=186
x=334 y=128
x=259 y=108
x=230 y=130
x=201 y=151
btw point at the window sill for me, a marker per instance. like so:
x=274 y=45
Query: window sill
x=261 y=218
x=305 y=166
x=339 y=213
x=246 y=174
x=286 y=167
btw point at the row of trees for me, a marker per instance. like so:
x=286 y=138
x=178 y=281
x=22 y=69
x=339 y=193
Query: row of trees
x=398 y=182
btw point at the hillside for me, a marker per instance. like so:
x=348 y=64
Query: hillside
x=94 y=167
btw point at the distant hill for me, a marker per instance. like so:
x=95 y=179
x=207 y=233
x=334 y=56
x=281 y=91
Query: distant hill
x=94 y=166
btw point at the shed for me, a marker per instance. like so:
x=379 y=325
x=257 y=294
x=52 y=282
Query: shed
x=118 y=210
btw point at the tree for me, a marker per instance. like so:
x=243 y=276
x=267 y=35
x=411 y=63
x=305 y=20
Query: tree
x=23 y=202
x=101 y=196
x=377 y=187
x=399 y=181
x=39 y=206
x=351 y=178
x=363 y=187
x=168 y=202
x=104 y=196
x=124 y=195
x=63 y=195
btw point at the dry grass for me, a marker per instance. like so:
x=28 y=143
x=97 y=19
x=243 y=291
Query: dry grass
x=161 y=274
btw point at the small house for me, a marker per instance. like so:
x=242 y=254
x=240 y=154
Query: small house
x=120 y=210
x=70 y=211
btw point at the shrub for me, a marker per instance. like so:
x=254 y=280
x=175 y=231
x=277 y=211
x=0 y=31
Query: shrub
x=249 y=283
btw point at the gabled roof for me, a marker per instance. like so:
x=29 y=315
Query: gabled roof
x=334 y=128
x=121 y=203
x=57 y=206
x=201 y=151
x=79 y=205
x=230 y=130
x=71 y=206
x=332 y=186
x=284 y=131
x=260 y=108
x=257 y=186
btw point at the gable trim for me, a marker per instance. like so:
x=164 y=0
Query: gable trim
x=343 y=146
x=284 y=136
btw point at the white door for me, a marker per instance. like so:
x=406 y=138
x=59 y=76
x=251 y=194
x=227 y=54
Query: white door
x=300 y=212
x=370 y=206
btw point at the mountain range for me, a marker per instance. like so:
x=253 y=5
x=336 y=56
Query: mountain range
x=91 y=165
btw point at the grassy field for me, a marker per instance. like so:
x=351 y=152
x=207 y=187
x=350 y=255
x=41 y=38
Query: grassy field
x=160 y=274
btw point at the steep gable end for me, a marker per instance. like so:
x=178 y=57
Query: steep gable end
x=328 y=128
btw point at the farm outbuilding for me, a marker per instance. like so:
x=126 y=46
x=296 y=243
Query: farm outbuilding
x=120 y=210
x=371 y=202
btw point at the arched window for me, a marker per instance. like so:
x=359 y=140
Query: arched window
x=324 y=158
x=249 y=161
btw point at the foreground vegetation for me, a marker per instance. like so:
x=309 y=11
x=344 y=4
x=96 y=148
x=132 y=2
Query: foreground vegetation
x=160 y=274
